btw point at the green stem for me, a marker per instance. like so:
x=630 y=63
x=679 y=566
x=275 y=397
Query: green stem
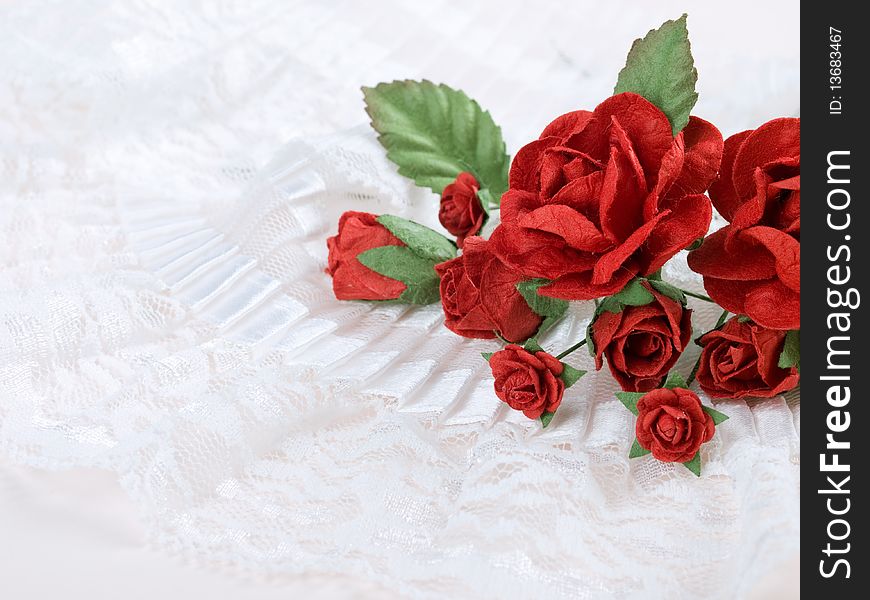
x=697 y=366
x=698 y=296
x=571 y=349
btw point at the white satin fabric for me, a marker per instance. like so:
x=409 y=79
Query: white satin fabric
x=164 y=312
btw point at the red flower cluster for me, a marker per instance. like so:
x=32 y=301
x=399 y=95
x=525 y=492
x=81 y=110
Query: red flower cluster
x=594 y=208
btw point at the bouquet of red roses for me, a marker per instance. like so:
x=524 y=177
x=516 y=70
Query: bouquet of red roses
x=591 y=211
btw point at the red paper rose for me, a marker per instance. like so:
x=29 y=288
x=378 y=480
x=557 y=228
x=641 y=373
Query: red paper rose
x=741 y=359
x=752 y=266
x=672 y=424
x=351 y=280
x=480 y=298
x=604 y=196
x=526 y=381
x=461 y=212
x=754 y=271
x=642 y=343
x=760 y=179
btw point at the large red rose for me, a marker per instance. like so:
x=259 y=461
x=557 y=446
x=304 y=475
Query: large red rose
x=527 y=382
x=741 y=360
x=480 y=298
x=754 y=271
x=642 y=343
x=752 y=266
x=461 y=212
x=606 y=195
x=760 y=179
x=351 y=280
x=672 y=424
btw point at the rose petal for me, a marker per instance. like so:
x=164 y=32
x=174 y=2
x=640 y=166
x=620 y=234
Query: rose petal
x=703 y=155
x=564 y=125
x=772 y=141
x=722 y=191
x=688 y=220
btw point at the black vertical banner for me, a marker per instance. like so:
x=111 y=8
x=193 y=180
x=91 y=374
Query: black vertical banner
x=835 y=372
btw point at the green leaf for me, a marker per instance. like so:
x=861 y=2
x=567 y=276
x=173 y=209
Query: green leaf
x=660 y=68
x=487 y=355
x=546 y=418
x=717 y=416
x=552 y=309
x=570 y=375
x=402 y=264
x=694 y=465
x=629 y=399
x=666 y=289
x=433 y=133
x=675 y=380
x=791 y=351
x=637 y=450
x=532 y=346
x=423 y=241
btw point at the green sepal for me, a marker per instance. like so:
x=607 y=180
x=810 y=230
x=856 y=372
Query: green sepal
x=487 y=355
x=402 y=264
x=423 y=241
x=570 y=375
x=791 y=351
x=487 y=200
x=744 y=319
x=660 y=68
x=694 y=465
x=633 y=294
x=666 y=289
x=434 y=132
x=590 y=345
x=637 y=450
x=696 y=244
x=546 y=417
x=717 y=416
x=629 y=399
x=552 y=309
x=532 y=346
x=675 y=380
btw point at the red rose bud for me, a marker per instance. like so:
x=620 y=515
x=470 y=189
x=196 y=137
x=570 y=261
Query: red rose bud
x=604 y=196
x=672 y=424
x=741 y=360
x=760 y=179
x=526 y=381
x=461 y=212
x=754 y=271
x=480 y=298
x=385 y=258
x=642 y=343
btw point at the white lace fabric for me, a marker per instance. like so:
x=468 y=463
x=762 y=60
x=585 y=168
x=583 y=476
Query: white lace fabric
x=164 y=311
